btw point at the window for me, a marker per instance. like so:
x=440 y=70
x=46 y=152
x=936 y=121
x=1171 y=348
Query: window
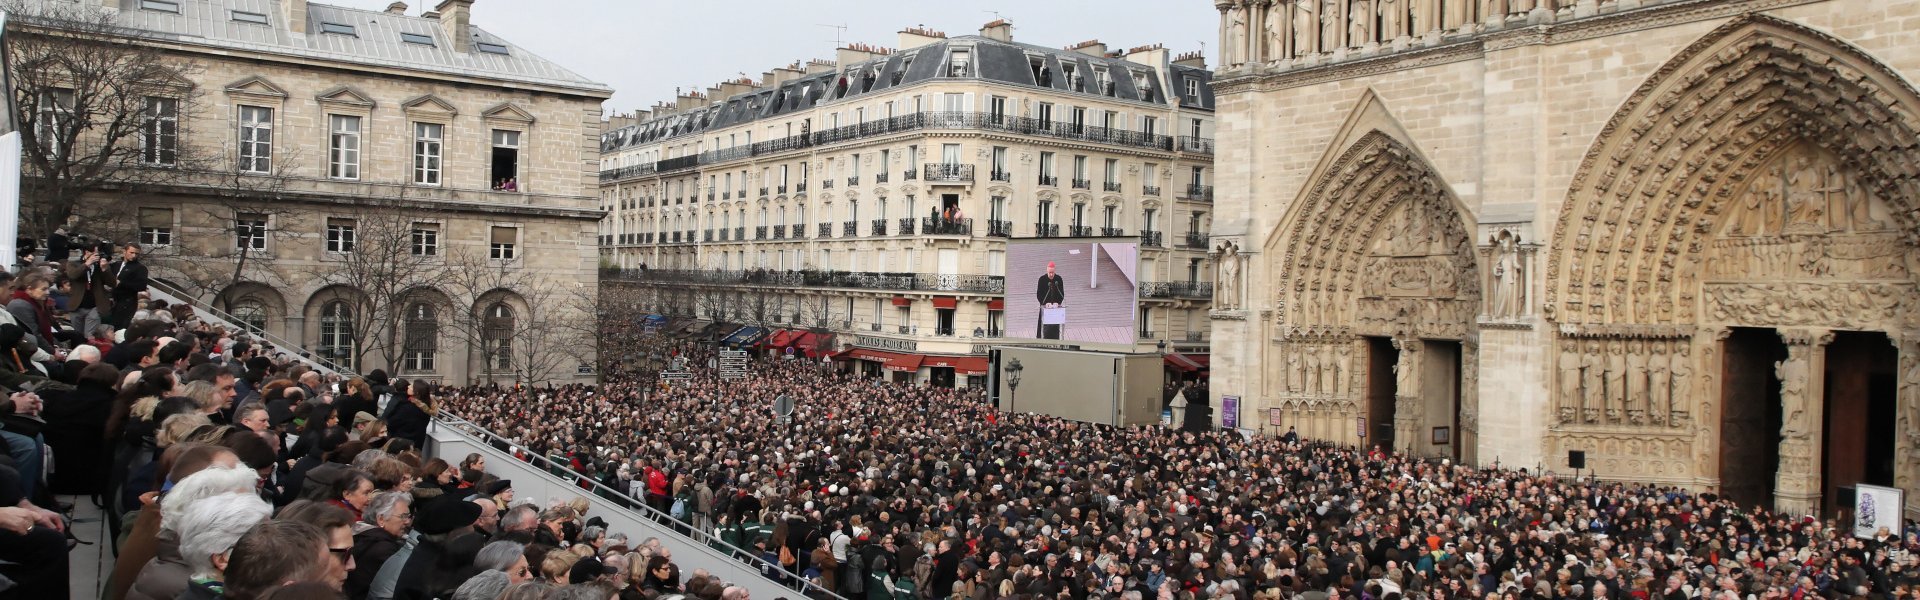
x=1046 y=164
x=958 y=63
x=422 y=339
x=1146 y=222
x=251 y=313
x=249 y=17
x=156 y=226
x=1046 y=116
x=337 y=28
x=51 y=127
x=1197 y=171
x=416 y=38
x=1046 y=212
x=161 y=5
x=1079 y=168
x=426 y=239
x=343 y=147
x=1111 y=218
x=506 y=161
x=1107 y=119
x=1193 y=87
x=340 y=235
x=1113 y=170
x=426 y=152
x=1149 y=125
x=160 y=135
x=997 y=109
x=497 y=336
x=256 y=139
x=250 y=232
x=502 y=241
x=1079 y=214
x=1079 y=119
x=336 y=333
x=1194 y=126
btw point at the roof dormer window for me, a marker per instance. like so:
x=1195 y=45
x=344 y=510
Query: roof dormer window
x=161 y=6
x=249 y=17
x=416 y=38
x=491 y=48
x=338 y=28
x=959 y=63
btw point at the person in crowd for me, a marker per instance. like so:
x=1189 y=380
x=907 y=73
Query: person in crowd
x=380 y=534
x=212 y=527
x=275 y=554
x=130 y=282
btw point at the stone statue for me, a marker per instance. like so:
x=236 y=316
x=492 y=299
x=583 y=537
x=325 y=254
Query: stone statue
x=1806 y=195
x=1273 y=43
x=1860 y=207
x=1637 y=404
x=1393 y=14
x=1508 y=283
x=1343 y=370
x=1762 y=201
x=1593 y=385
x=1359 y=22
x=1303 y=28
x=1236 y=35
x=1616 y=380
x=1293 y=369
x=1659 y=384
x=1569 y=380
x=1680 y=394
x=1792 y=373
x=1330 y=26
x=1493 y=10
x=1227 y=295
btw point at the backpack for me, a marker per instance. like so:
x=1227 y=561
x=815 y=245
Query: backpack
x=679 y=510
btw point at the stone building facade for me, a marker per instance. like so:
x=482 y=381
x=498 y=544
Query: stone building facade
x=872 y=196
x=321 y=130
x=1675 y=236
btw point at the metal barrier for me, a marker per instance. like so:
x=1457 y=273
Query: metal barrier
x=452 y=438
x=173 y=295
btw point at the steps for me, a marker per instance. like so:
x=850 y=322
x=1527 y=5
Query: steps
x=207 y=313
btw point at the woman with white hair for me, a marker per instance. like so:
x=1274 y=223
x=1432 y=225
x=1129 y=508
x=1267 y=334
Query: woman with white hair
x=209 y=530
x=165 y=576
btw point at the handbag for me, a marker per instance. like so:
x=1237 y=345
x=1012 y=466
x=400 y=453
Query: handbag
x=786 y=557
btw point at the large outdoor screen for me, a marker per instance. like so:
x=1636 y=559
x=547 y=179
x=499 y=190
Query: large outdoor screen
x=1080 y=290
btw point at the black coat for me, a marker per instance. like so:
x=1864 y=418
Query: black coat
x=76 y=426
x=406 y=421
x=132 y=278
x=371 y=549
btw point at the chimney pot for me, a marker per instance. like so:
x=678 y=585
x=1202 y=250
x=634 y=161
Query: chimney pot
x=296 y=13
x=456 y=16
x=397 y=8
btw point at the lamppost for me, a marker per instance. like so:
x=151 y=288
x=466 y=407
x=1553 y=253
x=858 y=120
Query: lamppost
x=1013 y=369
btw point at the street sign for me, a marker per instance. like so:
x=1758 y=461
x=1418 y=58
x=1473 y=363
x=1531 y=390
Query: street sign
x=783 y=407
x=675 y=376
x=733 y=364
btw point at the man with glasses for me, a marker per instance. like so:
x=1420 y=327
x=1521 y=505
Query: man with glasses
x=388 y=517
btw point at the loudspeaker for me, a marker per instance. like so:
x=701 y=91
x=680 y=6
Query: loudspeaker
x=1576 y=459
x=1199 y=418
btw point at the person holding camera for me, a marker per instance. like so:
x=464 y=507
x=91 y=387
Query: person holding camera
x=93 y=282
x=131 y=281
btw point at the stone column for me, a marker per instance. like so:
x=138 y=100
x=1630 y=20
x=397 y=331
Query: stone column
x=1257 y=32
x=1906 y=468
x=1797 y=487
x=1696 y=401
x=1226 y=33
x=1407 y=408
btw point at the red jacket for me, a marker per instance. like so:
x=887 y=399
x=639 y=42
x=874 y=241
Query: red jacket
x=656 y=482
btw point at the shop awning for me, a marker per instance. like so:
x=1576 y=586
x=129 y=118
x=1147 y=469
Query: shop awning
x=1200 y=359
x=1181 y=362
x=745 y=336
x=781 y=338
x=895 y=361
x=718 y=331
x=945 y=302
x=902 y=301
x=807 y=342
x=654 y=319
x=996 y=305
x=962 y=365
x=692 y=328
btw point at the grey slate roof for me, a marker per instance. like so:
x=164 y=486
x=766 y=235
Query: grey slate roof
x=992 y=60
x=376 y=41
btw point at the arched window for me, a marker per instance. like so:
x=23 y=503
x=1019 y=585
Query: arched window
x=497 y=337
x=251 y=313
x=422 y=339
x=336 y=333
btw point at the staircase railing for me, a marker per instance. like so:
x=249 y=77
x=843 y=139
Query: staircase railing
x=173 y=295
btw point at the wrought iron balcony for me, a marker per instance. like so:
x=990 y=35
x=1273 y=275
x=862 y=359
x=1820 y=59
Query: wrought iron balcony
x=850 y=229
x=1049 y=180
x=943 y=331
x=826 y=184
x=954 y=172
x=1046 y=230
x=879 y=228
x=1200 y=192
x=1176 y=289
x=1080 y=231
x=826 y=230
x=726 y=195
x=676 y=237
x=723 y=234
x=1111 y=186
x=999 y=175
x=1196 y=240
x=923 y=282
x=998 y=228
x=763 y=191
x=1150 y=190
x=740 y=233
x=800 y=188
x=1112 y=231
x=910 y=175
x=853 y=180
x=1150 y=238
x=1082 y=184
x=945 y=226
x=1195 y=144
x=905 y=329
x=709 y=195
x=779 y=232
x=780 y=189
x=706 y=236
x=906 y=225
x=1196 y=336
x=799 y=231
x=880 y=177
x=760 y=232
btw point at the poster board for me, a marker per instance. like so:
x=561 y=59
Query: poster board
x=1875 y=507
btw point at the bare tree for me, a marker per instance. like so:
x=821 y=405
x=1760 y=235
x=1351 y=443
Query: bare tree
x=818 y=308
x=100 y=111
x=250 y=215
x=371 y=253
x=551 y=327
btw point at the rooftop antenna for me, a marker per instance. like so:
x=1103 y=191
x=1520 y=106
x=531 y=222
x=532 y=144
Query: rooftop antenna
x=996 y=14
x=839 y=34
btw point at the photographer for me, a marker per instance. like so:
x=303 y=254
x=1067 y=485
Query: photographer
x=131 y=281
x=93 y=284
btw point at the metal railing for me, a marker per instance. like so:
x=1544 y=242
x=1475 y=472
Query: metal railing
x=1112 y=231
x=179 y=296
x=853 y=180
x=740 y=233
x=1150 y=238
x=1150 y=190
x=800 y=187
x=1200 y=145
x=1049 y=180
x=910 y=175
x=850 y=229
x=1082 y=184
x=985 y=284
x=945 y=226
x=880 y=177
x=949 y=172
x=1080 y=231
x=564 y=472
x=998 y=228
x=879 y=228
x=779 y=232
x=1046 y=230
x=826 y=184
x=1196 y=240
x=1176 y=289
x=723 y=234
x=1200 y=192
x=999 y=175
x=706 y=236
x=906 y=225
x=759 y=232
x=1110 y=186
x=799 y=231
x=826 y=230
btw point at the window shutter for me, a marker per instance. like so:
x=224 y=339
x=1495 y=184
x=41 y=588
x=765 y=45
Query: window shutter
x=505 y=235
x=156 y=217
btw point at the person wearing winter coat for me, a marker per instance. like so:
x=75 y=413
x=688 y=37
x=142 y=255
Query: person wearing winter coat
x=377 y=538
x=409 y=412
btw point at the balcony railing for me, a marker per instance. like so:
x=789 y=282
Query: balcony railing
x=1082 y=184
x=998 y=228
x=850 y=229
x=1176 y=289
x=726 y=195
x=1196 y=336
x=1150 y=238
x=1046 y=230
x=800 y=188
x=740 y=233
x=1112 y=231
x=780 y=189
x=1196 y=240
x=879 y=228
x=949 y=172
x=945 y=226
x=1111 y=186
x=1049 y=180
x=706 y=236
x=880 y=177
x=853 y=180
x=763 y=191
x=906 y=225
x=943 y=331
x=677 y=164
x=1149 y=334
x=826 y=230
x=925 y=282
x=904 y=329
x=999 y=175
x=723 y=234
x=1195 y=144
x=826 y=184
x=1150 y=190
x=676 y=237
x=779 y=232
x=1200 y=192
x=709 y=195
x=909 y=174
x=620 y=173
x=799 y=231
x=1080 y=231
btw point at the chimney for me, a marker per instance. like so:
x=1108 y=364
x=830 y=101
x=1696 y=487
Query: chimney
x=819 y=66
x=786 y=74
x=729 y=89
x=1090 y=48
x=296 y=12
x=1191 y=59
x=1152 y=55
x=456 y=16
x=1000 y=29
x=858 y=53
x=915 y=37
x=397 y=8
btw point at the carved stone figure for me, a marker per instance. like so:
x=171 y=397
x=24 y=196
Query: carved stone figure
x=1360 y=23
x=1343 y=370
x=1227 y=295
x=1313 y=371
x=1303 y=29
x=1293 y=369
x=1569 y=404
x=1616 y=381
x=1236 y=17
x=1792 y=373
x=1760 y=204
x=1393 y=19
x=1659 y=384
x=1860 y=207
x=1680 y=400
x=1806 y=195
x=1637 y=404
x=1593 y=364
x=1505 y=295
x=1329 y=26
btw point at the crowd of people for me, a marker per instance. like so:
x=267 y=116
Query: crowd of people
x=231 y=469
x=879 y=490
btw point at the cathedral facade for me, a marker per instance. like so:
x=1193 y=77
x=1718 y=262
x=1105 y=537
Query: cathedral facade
x=1672 y=241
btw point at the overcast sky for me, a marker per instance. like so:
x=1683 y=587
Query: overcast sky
x=644 y=49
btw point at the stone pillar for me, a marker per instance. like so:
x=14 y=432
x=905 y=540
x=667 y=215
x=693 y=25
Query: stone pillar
x=1407 y=408
x=1257 y=32
x=1226 y=34
x=1698 y=393
x=1906 y=468
x=1803 y=406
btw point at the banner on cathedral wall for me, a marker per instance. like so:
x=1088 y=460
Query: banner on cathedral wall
x=1230 y=412
x=1875 y=507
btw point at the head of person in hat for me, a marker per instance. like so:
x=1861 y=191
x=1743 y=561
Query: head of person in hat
x=445 y=515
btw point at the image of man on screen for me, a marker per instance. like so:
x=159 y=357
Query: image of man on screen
x=1051 y=292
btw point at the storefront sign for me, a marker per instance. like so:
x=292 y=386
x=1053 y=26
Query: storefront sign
x=883 y=343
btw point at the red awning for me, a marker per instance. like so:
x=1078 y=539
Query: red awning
x=905 y=362
x=895 y=361
x=802 y=340
x=783 y=338
x=1200 y=359
x=843 y=354
x=1182 y=363
x=964 y=365
x=945 y=302
x=996 y=305
x=811 y=340
x=902 y=301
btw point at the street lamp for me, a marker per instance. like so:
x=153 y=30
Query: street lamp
x=1013 y=369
